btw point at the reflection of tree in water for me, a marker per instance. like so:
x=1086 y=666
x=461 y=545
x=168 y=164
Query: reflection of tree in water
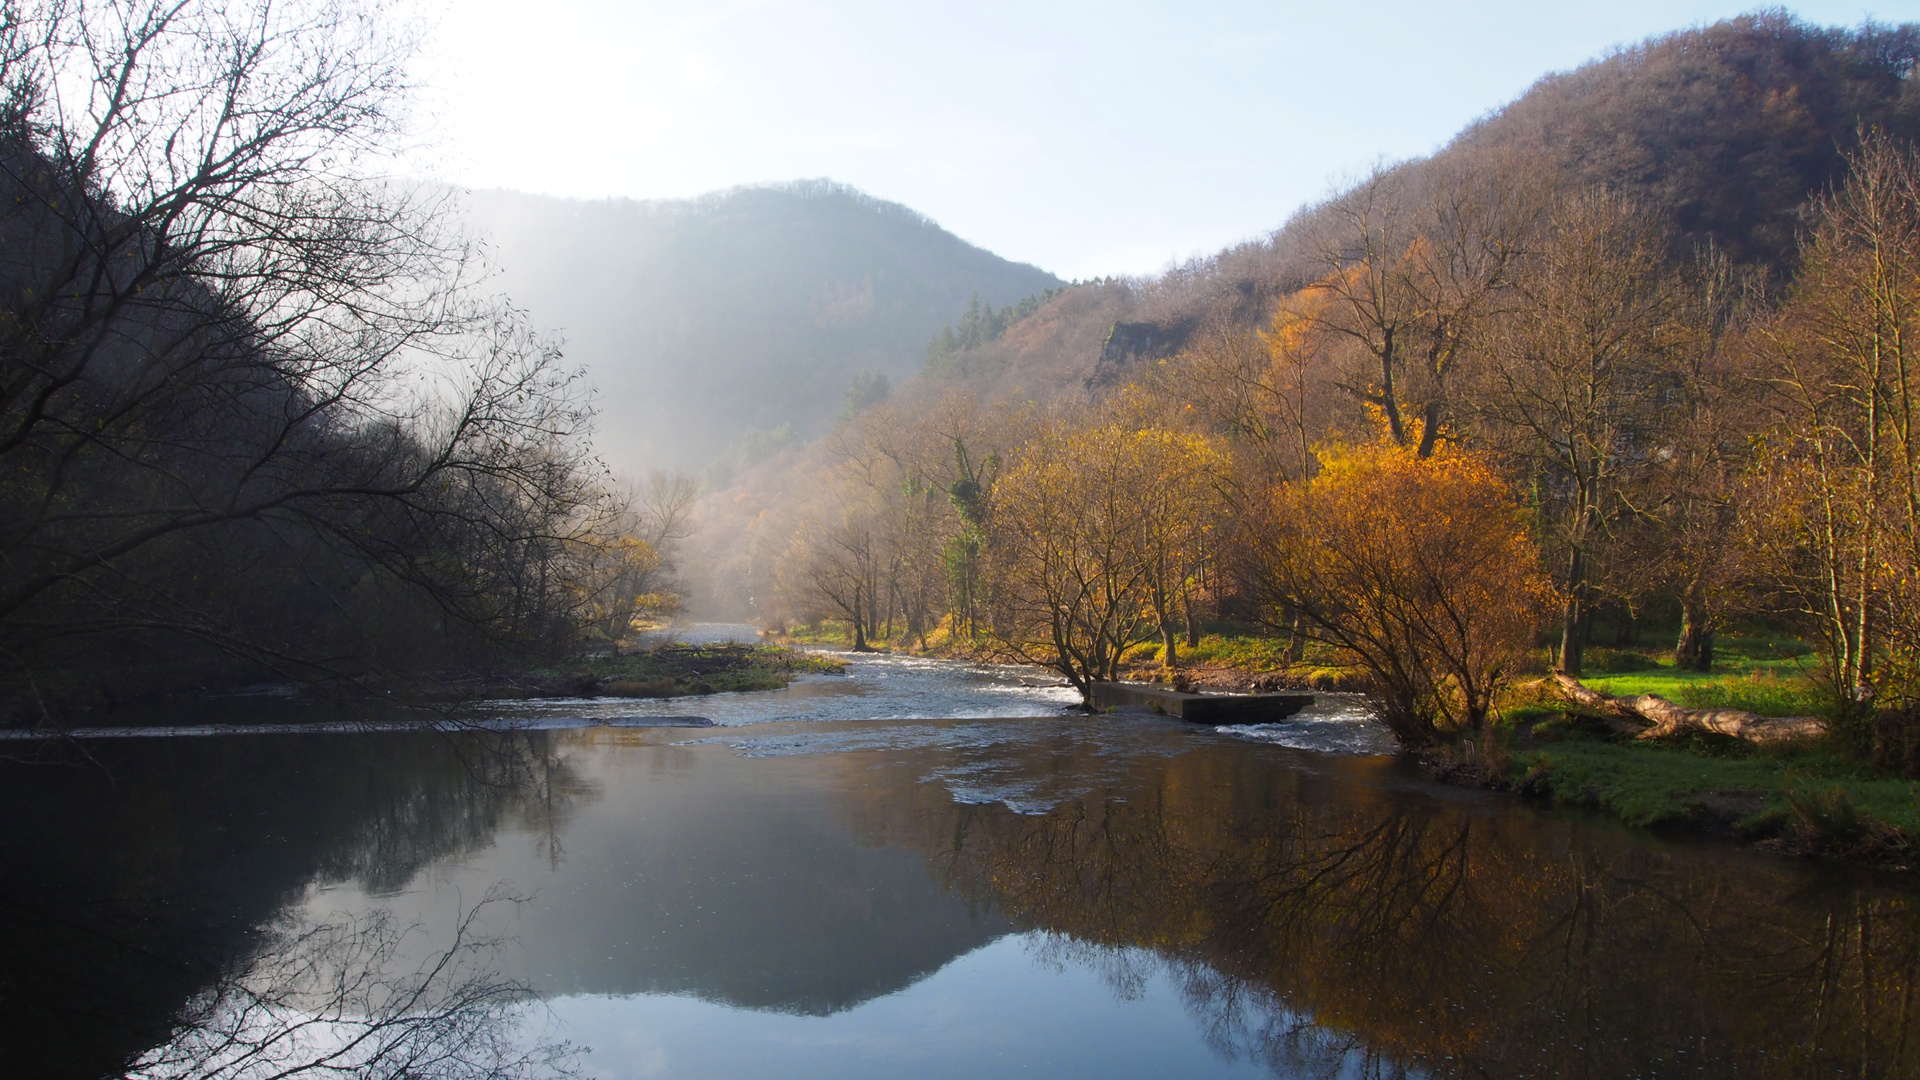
x=1326 y=928
x=447 y=797
x=1239 y=1019
x=325 y=1002
x=191 y=849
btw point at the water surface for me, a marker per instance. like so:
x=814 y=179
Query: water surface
x=921 y=895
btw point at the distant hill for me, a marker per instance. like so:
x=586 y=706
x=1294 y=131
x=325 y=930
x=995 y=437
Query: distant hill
x=720 y=328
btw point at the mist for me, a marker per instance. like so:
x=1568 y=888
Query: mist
x=721 y=329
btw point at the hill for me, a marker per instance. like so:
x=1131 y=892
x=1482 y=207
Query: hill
x=1727 y=130
x=721 y=327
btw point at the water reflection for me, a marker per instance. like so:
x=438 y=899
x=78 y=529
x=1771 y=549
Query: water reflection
x=327 y=1000
x=138 y=877
x=1106 y=896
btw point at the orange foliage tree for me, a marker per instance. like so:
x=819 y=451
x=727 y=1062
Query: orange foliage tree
x=1095 y=535
x=1419 y=570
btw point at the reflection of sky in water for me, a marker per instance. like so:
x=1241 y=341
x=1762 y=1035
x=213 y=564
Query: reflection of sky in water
x=794 y=900
x=1007 y=1008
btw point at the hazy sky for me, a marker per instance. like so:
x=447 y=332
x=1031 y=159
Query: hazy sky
x=1086 y=138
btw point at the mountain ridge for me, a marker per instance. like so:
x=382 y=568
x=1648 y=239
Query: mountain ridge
x=738 y=318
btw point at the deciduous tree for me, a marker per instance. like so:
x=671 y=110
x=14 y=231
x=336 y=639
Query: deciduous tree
x=1419 y=570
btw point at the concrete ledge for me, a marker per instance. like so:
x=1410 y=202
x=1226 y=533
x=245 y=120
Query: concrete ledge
x=1200 y=708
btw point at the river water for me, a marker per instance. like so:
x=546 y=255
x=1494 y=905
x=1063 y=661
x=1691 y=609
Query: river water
x=919 y=869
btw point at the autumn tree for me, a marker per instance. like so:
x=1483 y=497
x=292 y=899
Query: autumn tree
x=1265 y=392
x=1844 y=370
x=1093 y=534
x=1573 y=377
x=629 y=565
x=1411 y=262
x=1418 y=570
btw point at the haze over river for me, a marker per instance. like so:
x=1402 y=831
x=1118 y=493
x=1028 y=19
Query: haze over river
x=922 y=869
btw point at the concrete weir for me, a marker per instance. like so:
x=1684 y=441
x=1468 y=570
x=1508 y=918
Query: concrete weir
x=1200 y=708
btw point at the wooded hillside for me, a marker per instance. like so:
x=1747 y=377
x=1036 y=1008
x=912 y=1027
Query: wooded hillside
x=1638 y=347
x=733 y=324
x=1726 y=130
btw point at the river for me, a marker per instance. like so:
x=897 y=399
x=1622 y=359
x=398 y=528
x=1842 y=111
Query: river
x=922 y=868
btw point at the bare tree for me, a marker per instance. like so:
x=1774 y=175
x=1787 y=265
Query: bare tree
x=1845 y=375
x=336 y=1000
x=1572 y=381
x=1411 y=262
x=227 y=343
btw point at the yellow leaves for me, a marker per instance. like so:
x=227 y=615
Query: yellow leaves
x=1095 y=529
x=1419 y=568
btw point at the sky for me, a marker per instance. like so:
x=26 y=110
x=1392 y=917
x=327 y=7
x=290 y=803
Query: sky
x=1086 y=138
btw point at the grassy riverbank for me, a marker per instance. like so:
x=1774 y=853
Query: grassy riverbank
x=1811 y=799
x=1808 y=798
x=1749 y=793
x=669 y=670
x=1221 y=662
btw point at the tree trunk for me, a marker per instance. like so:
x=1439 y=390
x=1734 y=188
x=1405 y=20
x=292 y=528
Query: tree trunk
x=859 y=631
x=1296 y=641
x=1430 y=429
x=1193 y=625
x=1571 y=640
x=1169 y=656
x=1669 y=719
x=1694 y=650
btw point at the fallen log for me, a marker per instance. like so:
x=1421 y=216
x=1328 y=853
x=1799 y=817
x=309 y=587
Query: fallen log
x=1667 y=719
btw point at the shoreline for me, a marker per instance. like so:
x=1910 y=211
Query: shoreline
x=668 y=670
x=1807 y=800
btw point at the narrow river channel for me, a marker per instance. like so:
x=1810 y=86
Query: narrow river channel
x=922 y=869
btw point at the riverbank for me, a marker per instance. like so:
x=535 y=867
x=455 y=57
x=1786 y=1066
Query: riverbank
x=1805 y=798
x=667 y=670
x=1799 y=799
x=1220 y=663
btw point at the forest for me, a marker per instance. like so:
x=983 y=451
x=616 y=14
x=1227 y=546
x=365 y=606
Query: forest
x=1633 y=355
x=260 y=416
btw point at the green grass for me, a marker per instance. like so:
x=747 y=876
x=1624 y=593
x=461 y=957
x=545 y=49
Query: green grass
x=1244 y=652
x=1807 y=798
x=825 y=632
x=840 y=633
x=675 y=670
x=1653 y=785
x=1764 y=691
x=1765 y=676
